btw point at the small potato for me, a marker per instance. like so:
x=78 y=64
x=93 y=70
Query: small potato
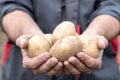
x=90 y=46
x=65 y=28
x=66 y=47
x=37 y=45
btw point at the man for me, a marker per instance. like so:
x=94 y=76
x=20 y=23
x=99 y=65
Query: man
x=21 y=19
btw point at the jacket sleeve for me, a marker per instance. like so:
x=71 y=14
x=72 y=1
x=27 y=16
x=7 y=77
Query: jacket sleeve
x=7 y=6
x=110 y=7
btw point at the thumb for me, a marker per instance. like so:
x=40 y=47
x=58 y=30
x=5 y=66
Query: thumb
x=22 y=41
x=102 y=42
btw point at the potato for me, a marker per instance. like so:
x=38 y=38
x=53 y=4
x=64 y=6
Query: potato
x=49 y=38
x=66 y=47
x=90 y=46
x=37 y=45
x=65 y=28
x=63 y=43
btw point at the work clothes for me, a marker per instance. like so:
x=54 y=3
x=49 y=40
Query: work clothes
x=48 y=14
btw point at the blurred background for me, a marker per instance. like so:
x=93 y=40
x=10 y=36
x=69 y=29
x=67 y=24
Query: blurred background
x=3 y=40
x=2 y=44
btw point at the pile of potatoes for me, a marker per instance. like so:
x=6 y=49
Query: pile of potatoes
x=63 y=43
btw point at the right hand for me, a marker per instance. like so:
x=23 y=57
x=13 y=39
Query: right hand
x=44 y=63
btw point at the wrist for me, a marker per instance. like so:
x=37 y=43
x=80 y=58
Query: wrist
x=32 y=30
x=101 y=25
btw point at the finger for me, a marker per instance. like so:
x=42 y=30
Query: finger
x=22 y=41
x=71 y=68
x=89 y=61
x=32 y=63
x=66 y=71
x=59 y=72
x=79 y=65
x=47 y=66
x=55 y=70
x=102 y=42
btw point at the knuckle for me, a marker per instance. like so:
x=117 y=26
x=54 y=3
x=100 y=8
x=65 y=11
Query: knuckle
x=57 y=74
x=94 y=65
x=38 y=71
x=76 y=72
x=73 y=71
x=43 y=70
x=56 y=69
x=53 y=72
x=25 y=64
x=33 y=66
x=53 y=61
x=91 y=65
x=28 y=64
x=87 y=71
x=72 y=59
x=48 y=74
x=34 y=72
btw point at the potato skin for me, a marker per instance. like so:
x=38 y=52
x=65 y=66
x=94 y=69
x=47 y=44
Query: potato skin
x=63 y=43
x=66 y=28
x=37 y=45
x=89 y=45
x=49 y=38
x=66 y=47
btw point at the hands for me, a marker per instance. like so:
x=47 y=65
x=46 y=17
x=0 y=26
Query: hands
x=45 y=63
x=82 y=63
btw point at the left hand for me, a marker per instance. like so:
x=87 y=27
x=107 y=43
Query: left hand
x=82 y=63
